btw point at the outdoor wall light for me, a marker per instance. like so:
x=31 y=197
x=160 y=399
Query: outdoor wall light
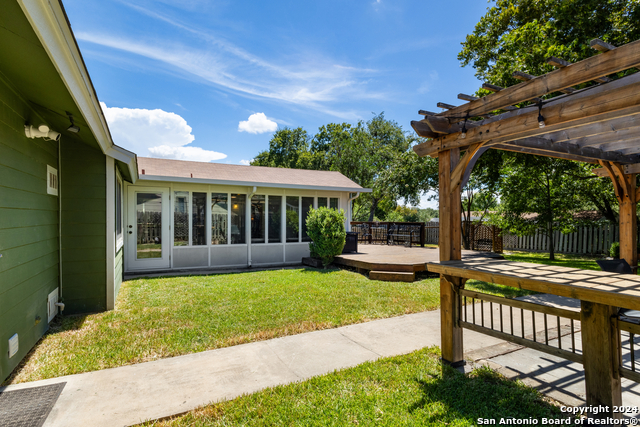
x=41 y=131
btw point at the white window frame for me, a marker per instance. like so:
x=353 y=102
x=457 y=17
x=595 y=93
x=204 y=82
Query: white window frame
x=119 y=212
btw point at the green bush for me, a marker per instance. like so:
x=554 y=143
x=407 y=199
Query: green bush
x=614 y=250
x=326 y=229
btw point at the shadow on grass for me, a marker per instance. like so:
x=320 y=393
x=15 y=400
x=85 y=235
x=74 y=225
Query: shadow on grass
x=481 y=394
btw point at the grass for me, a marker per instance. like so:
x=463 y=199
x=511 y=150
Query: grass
x=163 y=317
x=574 y=261
x=396 y=391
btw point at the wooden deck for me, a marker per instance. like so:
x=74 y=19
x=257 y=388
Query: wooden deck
x=385 y=258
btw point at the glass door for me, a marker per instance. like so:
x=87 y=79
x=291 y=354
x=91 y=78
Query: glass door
x=148 y=228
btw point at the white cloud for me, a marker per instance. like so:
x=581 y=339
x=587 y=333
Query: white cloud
x=186 y=153
x=309 y=80
x=155 y=133
x=257 y=123
x=245 y=162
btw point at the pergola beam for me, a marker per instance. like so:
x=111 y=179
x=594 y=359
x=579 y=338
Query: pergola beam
x=613 y=100
x=585 y=154
x=609 y=62
x=593 y=129
x=544 y=153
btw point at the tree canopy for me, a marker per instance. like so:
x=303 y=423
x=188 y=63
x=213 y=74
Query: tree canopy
x=376 y=154
x=519 y=35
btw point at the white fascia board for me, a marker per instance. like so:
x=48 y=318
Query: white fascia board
x=250 y=184
x=50 y=25
x=127 y=157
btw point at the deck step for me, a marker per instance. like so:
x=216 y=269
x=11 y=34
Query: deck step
x=392 y=276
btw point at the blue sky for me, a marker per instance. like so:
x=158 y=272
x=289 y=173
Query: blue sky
x=212 y=80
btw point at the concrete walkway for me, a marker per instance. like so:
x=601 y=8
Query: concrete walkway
x=132 y=394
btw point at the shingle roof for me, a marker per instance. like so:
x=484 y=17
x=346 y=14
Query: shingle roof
x=220 y=173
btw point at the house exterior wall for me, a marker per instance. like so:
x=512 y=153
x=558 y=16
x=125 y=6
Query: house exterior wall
x=119 y=271
x=224 y=255
x=83 y=192
x=28 y=230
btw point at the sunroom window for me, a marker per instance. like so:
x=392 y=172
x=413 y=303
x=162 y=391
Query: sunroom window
x=181 y=218
x=238 y=218
x=219 y=214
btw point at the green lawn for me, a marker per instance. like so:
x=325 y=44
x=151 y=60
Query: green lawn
x=405 y=390
x=163 y=317
x=575 y=261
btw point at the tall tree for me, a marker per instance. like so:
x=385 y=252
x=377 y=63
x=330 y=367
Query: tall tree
x=376 y=154
x=538 y=196
x=518 y=35
x=286 y=148
x=521 y=34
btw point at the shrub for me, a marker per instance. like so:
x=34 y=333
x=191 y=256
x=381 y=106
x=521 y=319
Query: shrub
x=326 y=229
x=614 y=250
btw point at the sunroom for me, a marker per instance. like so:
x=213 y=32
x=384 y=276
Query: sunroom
x=193 y=215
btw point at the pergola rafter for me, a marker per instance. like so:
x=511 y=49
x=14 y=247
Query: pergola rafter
x=598 y=124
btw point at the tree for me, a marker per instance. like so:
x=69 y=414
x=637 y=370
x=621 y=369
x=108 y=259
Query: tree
x=518 y=35
x=521 y=34
x=287 y=148
x=538 y=195
x=376 y=154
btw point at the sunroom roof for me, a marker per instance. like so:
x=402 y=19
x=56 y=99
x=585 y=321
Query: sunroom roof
x=220 y=173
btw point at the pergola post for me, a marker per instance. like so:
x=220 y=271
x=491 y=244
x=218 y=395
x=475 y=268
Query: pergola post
x=601 y=357
x=449 y=244
x=628 y=222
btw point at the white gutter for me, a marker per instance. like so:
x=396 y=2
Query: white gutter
x=161 y=178
x=350 y=209
x=248 y=229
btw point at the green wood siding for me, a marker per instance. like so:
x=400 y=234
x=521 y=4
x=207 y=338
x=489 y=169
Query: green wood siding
x=83 y=192
x=28 y=230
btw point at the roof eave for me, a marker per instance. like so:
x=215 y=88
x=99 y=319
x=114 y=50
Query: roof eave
x=127 y=160
x=251 y=184
x=49 y=22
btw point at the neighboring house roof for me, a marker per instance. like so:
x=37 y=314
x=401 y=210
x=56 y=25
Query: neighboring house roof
x=261 y=176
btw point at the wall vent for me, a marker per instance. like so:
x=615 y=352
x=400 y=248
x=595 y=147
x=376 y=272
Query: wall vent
x=13 y=345
x=52 y=181
x=52 y=308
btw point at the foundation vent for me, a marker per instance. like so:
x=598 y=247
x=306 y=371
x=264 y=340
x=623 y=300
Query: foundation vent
x=52 y=181
x=52 y=308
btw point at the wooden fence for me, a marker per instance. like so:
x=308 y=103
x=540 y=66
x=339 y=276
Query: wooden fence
x=586 y=240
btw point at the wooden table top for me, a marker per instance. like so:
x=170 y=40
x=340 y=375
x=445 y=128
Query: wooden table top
x=620 y=290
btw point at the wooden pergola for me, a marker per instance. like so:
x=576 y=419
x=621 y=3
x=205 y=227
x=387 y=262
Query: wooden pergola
x=599 y=124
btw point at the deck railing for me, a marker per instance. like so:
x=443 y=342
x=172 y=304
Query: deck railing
x=406 y=233
x=548 y=329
